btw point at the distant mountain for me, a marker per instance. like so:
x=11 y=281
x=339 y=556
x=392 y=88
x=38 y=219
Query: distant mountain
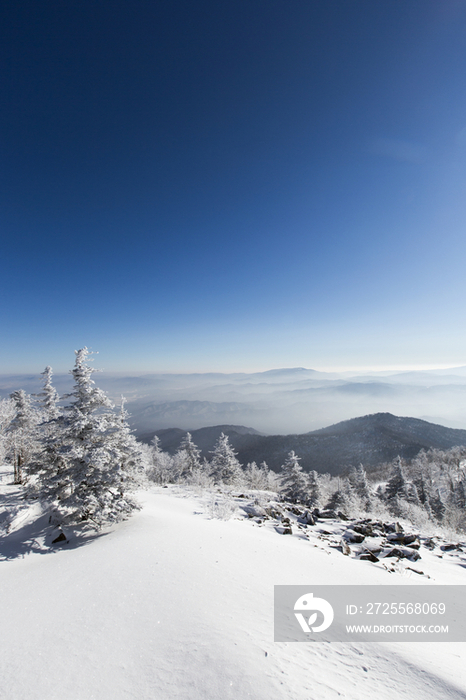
x=278 y=401
x=370 y=440
x=196 y=414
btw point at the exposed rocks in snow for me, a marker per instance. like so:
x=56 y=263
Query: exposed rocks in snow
x=352 y=536
x=363 y=539
x=451 y=547
x=306 y=518
x=255 y=511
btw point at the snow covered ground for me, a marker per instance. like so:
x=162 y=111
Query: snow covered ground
x=176 y=605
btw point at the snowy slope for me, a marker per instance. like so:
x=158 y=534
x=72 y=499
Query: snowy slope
x=173 y=604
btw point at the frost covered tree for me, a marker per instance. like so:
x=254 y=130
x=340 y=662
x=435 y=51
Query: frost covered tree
x=22 y=433
x=161 y=465
x=126 y=448
x=437 y=506
x=314 y=498
x=455 y=514
x=86 y=475
x=358 y=480
x=225 y=468
x=188 y=457
x=7 y=413
x=294 y=482
x=49 y=435
x=49 y=397
x=345 y=498
x=259 y=478
x=423 y=488
x=396 y=485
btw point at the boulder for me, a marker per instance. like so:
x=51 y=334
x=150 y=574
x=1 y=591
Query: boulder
x=284 y=530
x=368 y=556
x=402 y=538
x=352 y=536
x=60 y=538
x=254 y=511
x=307 y=518
x=402 y=553
x=451 y=547
x=328 y=514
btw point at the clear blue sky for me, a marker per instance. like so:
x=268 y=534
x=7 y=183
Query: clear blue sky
x=195 y=186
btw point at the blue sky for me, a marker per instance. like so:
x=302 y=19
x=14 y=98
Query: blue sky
x=233 y=186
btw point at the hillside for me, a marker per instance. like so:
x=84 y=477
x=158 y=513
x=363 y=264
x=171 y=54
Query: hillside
x=173 y=604
x=370 y=440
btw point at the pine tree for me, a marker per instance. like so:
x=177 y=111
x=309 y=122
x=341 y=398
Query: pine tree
x=294 y=482
x=7 y=413
x=48 y=430
x=457 y=497
x=162 y=469
x=397 y=484
x=437 y=506
x=49 y=397
x=225 y=468
x=424 y=491
x=257 y=477
x=22 y=433
x=85 y=475
x=188 y=457
x=344 y=498
x=314 y=498
x=358 y=481
x=128 y=452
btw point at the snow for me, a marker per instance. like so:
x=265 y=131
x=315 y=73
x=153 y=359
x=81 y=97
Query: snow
x=173 y=604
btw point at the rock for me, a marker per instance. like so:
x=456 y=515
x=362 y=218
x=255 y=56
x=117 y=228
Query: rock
x=328 y=514
x=368 y=556
x=352 y=536
x=363 y=529
x=345 y=548
x=451 y=547
x=254 y=511
x=61 y=538
x=274 y=511
x=286 y=530
x=401 y=538
x=372 y=545
x=307 y=518
x=342 y=516
x=403 y=553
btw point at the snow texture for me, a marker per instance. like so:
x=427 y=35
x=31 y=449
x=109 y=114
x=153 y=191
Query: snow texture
x=174 y=604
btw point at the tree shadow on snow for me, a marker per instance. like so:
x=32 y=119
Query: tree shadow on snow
x=37 y=537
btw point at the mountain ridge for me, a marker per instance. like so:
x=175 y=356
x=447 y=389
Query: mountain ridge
x=371 y=440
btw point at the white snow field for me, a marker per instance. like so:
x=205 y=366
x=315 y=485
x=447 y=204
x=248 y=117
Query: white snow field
x=175 y=605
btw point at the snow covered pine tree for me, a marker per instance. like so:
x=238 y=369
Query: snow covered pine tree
x=93 y=467
x=294 y=482
x=22 y=433
x=225 y=467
